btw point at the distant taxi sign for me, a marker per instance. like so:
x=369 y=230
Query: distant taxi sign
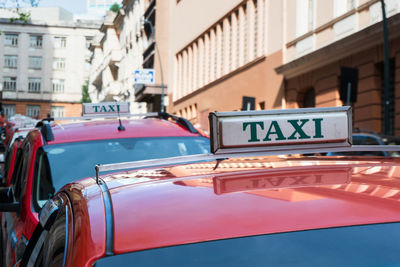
x=105 y=108
x=256 y=131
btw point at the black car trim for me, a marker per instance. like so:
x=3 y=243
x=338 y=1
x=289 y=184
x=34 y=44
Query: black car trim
x=109 y=217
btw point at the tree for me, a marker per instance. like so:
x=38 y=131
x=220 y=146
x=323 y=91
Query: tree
x=85 y=93
x=115 y=7
x=16 y=5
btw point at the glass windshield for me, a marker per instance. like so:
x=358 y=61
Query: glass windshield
x=368 y=245
x=59 y=164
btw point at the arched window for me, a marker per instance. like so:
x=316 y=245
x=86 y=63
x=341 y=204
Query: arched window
x=309 y=98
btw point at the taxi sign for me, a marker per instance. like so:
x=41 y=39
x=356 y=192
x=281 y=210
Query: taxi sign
x=105 y=108
x=290 y=129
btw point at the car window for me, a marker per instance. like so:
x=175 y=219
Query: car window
x=64 y=163
x=365 y=245
x=43 y=184
x=19 y=179
x=365 y=140
x=54 y=249
x=7 y=165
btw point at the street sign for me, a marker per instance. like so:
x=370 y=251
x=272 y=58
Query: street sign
x=144 y=76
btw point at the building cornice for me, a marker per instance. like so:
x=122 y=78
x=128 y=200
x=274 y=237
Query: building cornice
x=354 y=43
x=74 y=25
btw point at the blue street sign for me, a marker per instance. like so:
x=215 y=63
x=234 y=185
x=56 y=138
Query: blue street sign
x=144 y=76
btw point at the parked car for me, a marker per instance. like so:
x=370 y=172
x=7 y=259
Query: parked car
x=54 y=154
x=238 y=206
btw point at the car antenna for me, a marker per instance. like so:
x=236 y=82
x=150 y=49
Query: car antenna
x=120 y=127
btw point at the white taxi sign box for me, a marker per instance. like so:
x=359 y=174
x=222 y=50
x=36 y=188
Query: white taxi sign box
x=105 y=108
x=277 y=130
x=281 y=179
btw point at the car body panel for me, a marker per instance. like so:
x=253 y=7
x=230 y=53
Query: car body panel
x=23 y=223
x=89 y=234
x=105 y=129
x=182 y=204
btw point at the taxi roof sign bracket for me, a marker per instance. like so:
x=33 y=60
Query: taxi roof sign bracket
x=153 y=163
x=274 y=130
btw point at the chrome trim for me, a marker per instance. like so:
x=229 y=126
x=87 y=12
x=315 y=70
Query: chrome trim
x=105 y=116
x=108 y=211
x=235 y=154
x=66 y=235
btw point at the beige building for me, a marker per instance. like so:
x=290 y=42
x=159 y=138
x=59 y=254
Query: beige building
x=44 y=63
x=127 y=42
x=223 y=55
x=322 y=38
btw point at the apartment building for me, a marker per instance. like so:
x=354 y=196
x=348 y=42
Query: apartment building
x=44 y=63
x=223 y=55
x=323 y=39
x=127 y=42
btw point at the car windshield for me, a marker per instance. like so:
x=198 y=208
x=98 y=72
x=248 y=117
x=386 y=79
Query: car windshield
x=59 y=164
x=366 y=245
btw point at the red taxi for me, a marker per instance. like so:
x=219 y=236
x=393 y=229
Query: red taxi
x=54 y=154
x=234 y=207
x=10 y=160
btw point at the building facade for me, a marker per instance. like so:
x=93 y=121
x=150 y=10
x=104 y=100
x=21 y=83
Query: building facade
x=223 y=55
x=323 y=39
x=44 y=65
x=127 y=43
x=98 y=8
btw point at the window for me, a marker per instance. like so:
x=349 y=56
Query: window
x=11 y=40
x=57 y=112
x=10 y=61
x=58 y=85
x=89 y=40
x=59 y=63
x=341 y=246
x=36 y=41
x=342 y=6
x=304 y=16
x=34 y=85
x=9 y=83
x=60 y=42
x=9 y=110
x=35 y=63
x=18 y=180
x=33 y=111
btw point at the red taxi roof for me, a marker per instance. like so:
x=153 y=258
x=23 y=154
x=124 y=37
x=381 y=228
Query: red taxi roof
x=108 y=129
x=193 y=203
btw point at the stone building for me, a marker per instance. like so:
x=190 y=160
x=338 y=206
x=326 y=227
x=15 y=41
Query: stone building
x=323 y=39
x=44 y=63
x=223 y=55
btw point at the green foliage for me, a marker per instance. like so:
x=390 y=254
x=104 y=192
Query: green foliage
x=25 y=17
x=85 y=93
x=115 y=7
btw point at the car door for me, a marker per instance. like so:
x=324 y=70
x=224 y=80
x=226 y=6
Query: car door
x=12 y=223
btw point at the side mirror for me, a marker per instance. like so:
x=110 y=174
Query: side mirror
x=7 y=203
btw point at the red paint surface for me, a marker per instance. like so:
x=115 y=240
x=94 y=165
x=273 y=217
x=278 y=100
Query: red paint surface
x=164 y=212
x=25 y=222
x=108 y=129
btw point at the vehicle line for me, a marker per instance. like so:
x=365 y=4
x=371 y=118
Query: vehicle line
x=108 y=210
x=218 y=157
